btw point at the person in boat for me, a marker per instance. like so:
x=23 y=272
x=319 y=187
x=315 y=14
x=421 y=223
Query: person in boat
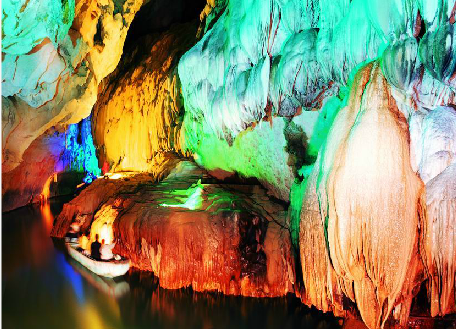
x=74 y=232
x=106 y=250
x=95 y=249
x=84 y=242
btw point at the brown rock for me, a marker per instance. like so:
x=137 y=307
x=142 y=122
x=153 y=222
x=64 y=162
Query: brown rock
x=230 y=239
x=139 y=113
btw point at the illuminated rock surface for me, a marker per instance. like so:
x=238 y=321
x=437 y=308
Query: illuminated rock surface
x=362 y=203
x=343 y=110
x=440 y=241
x=372 y=220
x=227 y=238
x=25 y=183
x=56 y=82
x=53 y=165
x=139 y=113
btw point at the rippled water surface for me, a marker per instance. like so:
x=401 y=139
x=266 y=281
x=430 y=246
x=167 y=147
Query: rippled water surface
x=43 y=288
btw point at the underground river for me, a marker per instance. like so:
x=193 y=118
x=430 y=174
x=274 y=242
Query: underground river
x=43 y=288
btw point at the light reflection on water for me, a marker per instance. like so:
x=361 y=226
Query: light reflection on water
x=43 y=288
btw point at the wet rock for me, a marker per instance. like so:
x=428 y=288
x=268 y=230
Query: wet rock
x=53 y=80
x=53 y=165
x=139 y=112
x=25 y=183
x=439 y=249
x=101 y=190
x=226 y=238
x=359 y=208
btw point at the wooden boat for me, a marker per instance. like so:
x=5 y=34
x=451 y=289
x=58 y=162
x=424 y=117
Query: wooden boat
x=107 y=268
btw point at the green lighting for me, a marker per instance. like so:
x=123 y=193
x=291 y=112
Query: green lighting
x=194 y=199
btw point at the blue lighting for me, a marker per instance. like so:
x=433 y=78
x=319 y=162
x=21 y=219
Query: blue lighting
x=79 y=154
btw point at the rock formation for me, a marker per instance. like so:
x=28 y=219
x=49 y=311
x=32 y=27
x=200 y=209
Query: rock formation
x=387 y=140
x=51 y=71
x=343 y=110
x=140 y=111
x=53 y=165
x=212 y=237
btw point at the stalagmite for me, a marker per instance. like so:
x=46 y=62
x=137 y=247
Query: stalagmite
x=439 y=236
x=370 y=204
x=435 y=142
x=321 y=288
x=375 y=204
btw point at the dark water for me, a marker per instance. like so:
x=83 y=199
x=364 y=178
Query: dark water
x=43 y=288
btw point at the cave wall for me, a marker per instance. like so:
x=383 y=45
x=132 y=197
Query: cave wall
x=370 y=89
x=54 y=56
x=280 y=59
x=190 y=232
x=139 y=112
x=53 y=59
x=54 y=164
x=343 y=109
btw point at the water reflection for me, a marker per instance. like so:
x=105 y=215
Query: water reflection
x=47 y=217
x=187 y=309
x=116 y=287
x=43 y=288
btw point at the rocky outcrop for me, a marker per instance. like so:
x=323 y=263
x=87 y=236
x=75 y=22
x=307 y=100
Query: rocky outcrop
x=344 y=220
x=54 y=164
x=25 y=183
x=364 y=209
x=101 y=190
x=191 y=231
x=279 y=59
x=139 y=112
x=283 y=71
x=439 y=241
x=51 y=71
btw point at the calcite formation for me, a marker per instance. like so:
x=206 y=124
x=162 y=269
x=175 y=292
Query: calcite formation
x=373 y=218
x=53 y=165
x=439 y=236
x=212 y=237
x=343 y=110
x=279 y=59
x=361 y=204
x=139 y=113
x=321 y=288
x=26 y=24
x=25 y=183
x=51 y=71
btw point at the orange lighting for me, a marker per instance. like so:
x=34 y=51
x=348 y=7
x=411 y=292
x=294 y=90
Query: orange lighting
x=114 y=175
x=102 y=224
x=46 y=188
x=48 y=218
x=106 y=234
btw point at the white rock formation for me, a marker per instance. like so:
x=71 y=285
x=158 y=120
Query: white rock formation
x=53 y=78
